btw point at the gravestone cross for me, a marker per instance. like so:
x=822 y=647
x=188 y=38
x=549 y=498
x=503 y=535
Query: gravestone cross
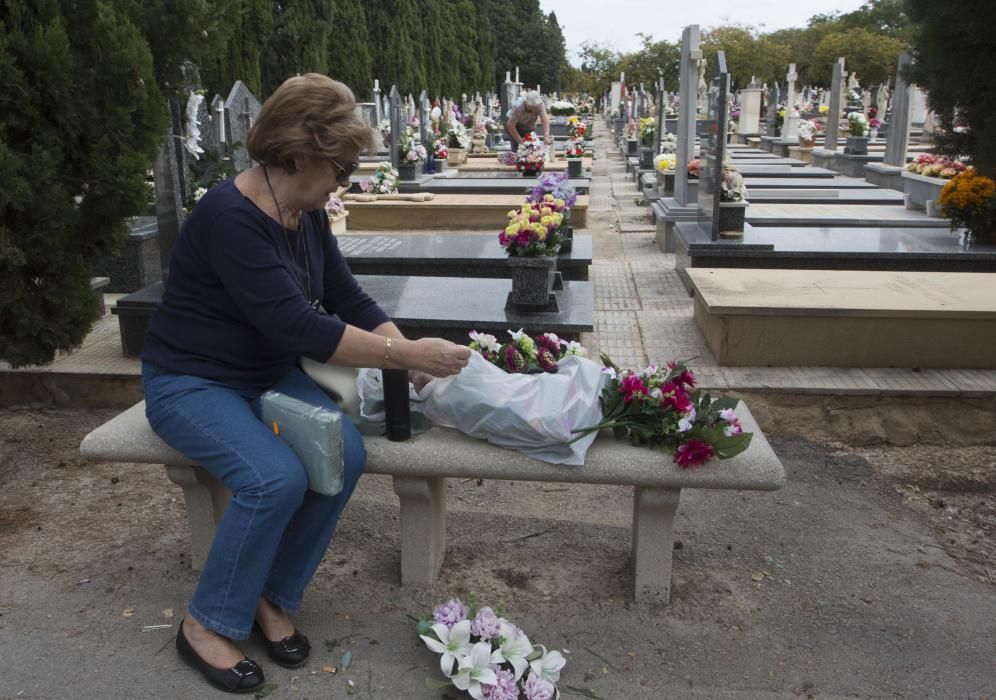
x=218 y=118
x=241 y=108
x=832 y=129
x=790 y=125
x=691 y=54
x=395 y=115
x=378 y=111
x=659 y=131
x=899 y=122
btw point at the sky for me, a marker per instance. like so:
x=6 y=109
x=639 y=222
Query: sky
x=617 y=22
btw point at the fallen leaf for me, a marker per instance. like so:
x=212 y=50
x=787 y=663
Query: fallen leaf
x=128 y=612
x=328 y=669
x=265 y=690
x=757 y=576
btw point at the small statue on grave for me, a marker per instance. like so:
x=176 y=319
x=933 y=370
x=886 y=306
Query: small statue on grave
x=478 y=143
x=701 y=87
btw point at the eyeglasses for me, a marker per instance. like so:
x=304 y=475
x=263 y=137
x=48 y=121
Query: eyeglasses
x=343 y=177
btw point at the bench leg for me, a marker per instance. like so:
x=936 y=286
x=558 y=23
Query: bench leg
x=653 y=541
x=423 y=528
x=206 y=499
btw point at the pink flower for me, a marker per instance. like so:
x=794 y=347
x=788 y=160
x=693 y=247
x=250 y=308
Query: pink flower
x=538 y=688
x=693 y=453
x=546 y=360
x=549 y=341
x=674 y=396
x=631 y=386
x=514 y=361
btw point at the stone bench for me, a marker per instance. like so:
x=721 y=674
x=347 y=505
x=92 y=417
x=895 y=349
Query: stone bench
x=834 y=318
x=419 y=469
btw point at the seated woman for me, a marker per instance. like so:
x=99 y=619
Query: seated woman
x=522 y=117
x=254 y=279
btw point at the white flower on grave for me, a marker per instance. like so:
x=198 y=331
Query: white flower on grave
x=476 y=669
x=514 y=647
x=575 y=348
x=191 y=132
x=549 y=665
x=199 y=192
x=435 y=114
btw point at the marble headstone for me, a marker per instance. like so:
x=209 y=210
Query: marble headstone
x=832 y=128
x=395 y=114
x=241 y=108
x=713 y=145
x=899 y=121
x=691 y=54
x=750 y=109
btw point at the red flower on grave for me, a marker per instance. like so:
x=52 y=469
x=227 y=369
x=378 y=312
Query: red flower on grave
x=693 y=453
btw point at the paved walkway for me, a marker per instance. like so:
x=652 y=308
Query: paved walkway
x=642 y=313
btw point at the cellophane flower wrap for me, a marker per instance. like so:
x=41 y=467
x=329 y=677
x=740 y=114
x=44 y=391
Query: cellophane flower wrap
x=383 y=181
x=487 y=656
x=534 y=228
x=660 y=407
x=524 y=354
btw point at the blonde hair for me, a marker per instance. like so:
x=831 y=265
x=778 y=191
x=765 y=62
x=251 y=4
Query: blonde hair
x=309 y=115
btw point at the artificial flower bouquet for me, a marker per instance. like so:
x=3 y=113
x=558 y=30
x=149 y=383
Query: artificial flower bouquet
x=661 y=408
x=562 y=108
x=575 y=148
x=525 y=355
x=576 y=129
x=694 y=165
x=439 y=150
x=669 y=143
x=487 y=656
x=969 y=200
x=648 y=126
x=558 y=185
x=733 y=188
x=530 y=156
x=824 y=109
x=459 y=136
x=410 y=148
x=857 y=124
x=334 y=207
x=665 y=162
x=383 y=181
x=930 y=165
x=807 y=129
x=533 y=229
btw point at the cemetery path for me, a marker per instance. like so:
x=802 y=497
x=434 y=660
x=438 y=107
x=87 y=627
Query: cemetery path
x=870 y=575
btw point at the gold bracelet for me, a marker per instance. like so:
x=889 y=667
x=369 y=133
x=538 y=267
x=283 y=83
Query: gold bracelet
x=387 y=353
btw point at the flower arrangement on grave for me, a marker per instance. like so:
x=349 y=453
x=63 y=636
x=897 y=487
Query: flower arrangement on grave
x=661 y=408
x=930 y=165
x=694 y=165
x=824 y=109
x=969 y=200
x=533 y=229
x=384 y=127
x=648 y=126
x=410 y=149
x=523 y=354
x=439 y=149
x=575 y=148
x=487 y=656
x=459 y=136
x=669 y=143
x=857 y=124
x=334 y=207
x=665 y=162
x=807 y=129
x=576 y=129
x=631 y=129
x=530 y=156
x=732 y=188
x=490 y=125
x=562 y=108
x=559 y=189
x=383 y=181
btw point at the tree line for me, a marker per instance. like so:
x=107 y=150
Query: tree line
x=84 y=110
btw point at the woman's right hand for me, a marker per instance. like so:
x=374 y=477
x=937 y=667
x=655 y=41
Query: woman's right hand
x=439 y=357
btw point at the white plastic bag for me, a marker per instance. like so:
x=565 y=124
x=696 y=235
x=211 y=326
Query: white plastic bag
x=535 y=414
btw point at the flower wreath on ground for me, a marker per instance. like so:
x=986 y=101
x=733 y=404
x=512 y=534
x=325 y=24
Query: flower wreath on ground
x=487 y=656
x=659 y=406
x=524 y=354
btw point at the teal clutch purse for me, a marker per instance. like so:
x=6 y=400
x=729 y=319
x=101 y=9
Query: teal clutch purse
x=315 y=435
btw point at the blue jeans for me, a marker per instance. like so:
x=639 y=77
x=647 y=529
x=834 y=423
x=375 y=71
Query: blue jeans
x=275 y=531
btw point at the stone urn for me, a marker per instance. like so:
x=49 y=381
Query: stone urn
x=406 y=171
x=441 y=165
x=532 y=279
x=573 y=167
x=856 y=145
x=732 y=216
x=458 y=156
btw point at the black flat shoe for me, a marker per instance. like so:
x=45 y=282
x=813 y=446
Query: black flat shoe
x=244 y=677
x=289 y=652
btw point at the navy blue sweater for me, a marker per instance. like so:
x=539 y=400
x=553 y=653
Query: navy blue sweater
x=233 y=309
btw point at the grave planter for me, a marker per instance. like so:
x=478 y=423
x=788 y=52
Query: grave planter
x=732 y=216
x=693 y=190
x=566 y=238
x=646 y=158
x=406 y=171
x=338 y=223
x=665 y=183
x=573 y=167
x=441 y=165
x=807 y=143
x=458 y=156
x=922 y=192
x=631 y=146
x=532 y=279
x=856 y=145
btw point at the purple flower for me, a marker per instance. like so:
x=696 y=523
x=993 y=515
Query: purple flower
x=486 y=625
x=504 y=689
x=549 y=341
x=450 y=612
x=546 y=360
x=514 y=361
x=539 y=688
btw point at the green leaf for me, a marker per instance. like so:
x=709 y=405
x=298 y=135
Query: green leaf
x=724 y=403
x=266 y=690
x=737 y=444
x=424 y=626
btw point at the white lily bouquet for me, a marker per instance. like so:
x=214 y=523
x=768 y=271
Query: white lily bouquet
x=487 y=656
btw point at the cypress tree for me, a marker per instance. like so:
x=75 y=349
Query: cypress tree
x=349 y=48
x=486 y=50
x=299 y=42
x=466 y=63
x=242 y=55
x=75 y=144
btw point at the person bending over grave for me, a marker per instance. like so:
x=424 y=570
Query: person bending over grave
x=256 y=280
x=522 y=117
